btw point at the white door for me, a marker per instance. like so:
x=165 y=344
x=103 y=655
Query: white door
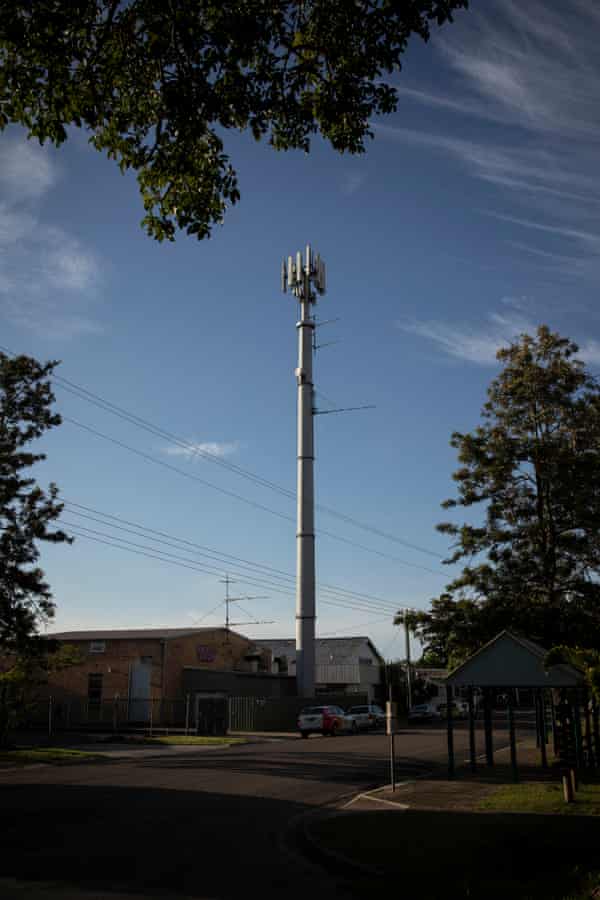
x=140 y=691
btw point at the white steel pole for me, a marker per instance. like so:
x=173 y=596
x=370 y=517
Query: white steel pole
x=305 y=278
x=305 y=533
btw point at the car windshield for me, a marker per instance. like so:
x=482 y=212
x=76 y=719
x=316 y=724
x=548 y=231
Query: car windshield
x=313 y=710
x=359 y=709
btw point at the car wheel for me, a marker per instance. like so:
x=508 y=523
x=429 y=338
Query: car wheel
x=334 y=730
x=354 y=728
x=304 y=734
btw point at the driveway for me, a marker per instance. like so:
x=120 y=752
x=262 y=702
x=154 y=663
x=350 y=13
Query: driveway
x=203 y=825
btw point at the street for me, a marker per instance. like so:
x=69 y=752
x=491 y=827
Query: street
x=205 y=825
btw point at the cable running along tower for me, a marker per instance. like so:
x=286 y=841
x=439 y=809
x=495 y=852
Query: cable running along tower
x=305 y=278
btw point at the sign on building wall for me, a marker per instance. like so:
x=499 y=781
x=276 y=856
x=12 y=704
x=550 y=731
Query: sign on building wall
x=206 y=653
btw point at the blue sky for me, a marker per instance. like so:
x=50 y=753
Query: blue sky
x=472 y=217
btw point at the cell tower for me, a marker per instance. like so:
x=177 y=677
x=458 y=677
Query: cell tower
x=305 y=278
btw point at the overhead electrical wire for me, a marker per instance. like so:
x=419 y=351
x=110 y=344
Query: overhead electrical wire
x=241 y=578
x=193 y=477
x=194 y=450
x=227 y=559
x=272 y=582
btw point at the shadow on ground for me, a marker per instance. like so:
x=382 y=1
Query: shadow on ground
x=435 y=854
x=149 y=842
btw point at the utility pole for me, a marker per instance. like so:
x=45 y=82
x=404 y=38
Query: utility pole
x=408 y=672
x=305 y=277
x=227 y=581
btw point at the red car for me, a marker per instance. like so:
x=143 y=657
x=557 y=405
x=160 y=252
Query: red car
x=325 y=720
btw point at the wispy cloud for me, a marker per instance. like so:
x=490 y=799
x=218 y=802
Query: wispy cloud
x=26 y=170
x=534 y=68
x=479 y=343
x=476 y=344
x=198 y=449
x=48 y=278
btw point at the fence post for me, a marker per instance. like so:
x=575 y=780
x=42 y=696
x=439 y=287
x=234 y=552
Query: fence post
x=151 y=713
x=50 y=716
x=115 y=711
x=187 y=713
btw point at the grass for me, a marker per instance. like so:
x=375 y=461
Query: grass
x=193 y=739
x=437 y=855
x=55 y=755
x=543 y=798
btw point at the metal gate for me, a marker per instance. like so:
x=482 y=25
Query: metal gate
x=211 y=714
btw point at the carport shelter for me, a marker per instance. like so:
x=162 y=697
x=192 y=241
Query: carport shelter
x=506 y=663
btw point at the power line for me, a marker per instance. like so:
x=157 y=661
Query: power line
x=212 y=570
x=202 y=550
x=354 y=627
x=191 y=476
x=140 y=550
x=138 y=421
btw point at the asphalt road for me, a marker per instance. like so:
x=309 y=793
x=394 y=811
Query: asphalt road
x=205 y=825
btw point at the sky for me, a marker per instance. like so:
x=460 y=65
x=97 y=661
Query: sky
x=472 y=218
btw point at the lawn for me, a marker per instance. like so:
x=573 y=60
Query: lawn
x=193 y=739
x=451 y=854
x=55 y=755
x=544 y=798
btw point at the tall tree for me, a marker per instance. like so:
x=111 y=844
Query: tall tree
x=26 y=511
x=158 y=82
x=533 y=466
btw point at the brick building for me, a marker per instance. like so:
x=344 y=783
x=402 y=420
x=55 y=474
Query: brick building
x=149 y=668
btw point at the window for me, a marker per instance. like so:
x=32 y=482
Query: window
x=97 y=646
x=95 y=688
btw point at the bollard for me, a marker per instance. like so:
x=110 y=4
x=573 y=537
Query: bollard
x=567 y=787
x=574 y=779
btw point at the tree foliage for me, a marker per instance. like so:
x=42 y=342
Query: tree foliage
x=159 y=81
x=588 y=661
x=25 y=675
x=532 y=468
x=26 y=511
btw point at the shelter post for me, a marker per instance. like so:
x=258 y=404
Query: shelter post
x=578 y=735
x=553 y=714
x=596 y=730
x=487 y=726
x=472 y=751
x=450 y=730
x=512 y=735
x=542 y=719
x=589 y=752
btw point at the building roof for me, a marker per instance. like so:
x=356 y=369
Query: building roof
x=344 y=646
x=509 y=660
x=164 y=634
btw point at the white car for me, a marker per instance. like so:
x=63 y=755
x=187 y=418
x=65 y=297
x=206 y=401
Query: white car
x=325 y=720
x=369 y=716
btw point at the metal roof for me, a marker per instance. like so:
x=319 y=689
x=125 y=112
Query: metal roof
x=122 y=634
x=509 y=660
x=344 y=646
